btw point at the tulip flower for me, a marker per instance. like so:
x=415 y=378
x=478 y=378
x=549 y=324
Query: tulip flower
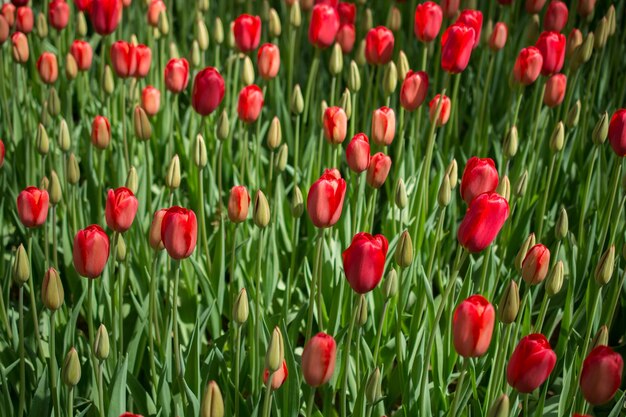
x=176 y=75
x=555 y=18
x=4 y=30
x=2 y=152
x=208 y=91
x=444 y=114
x=150 y=100
x=413 y=90
x=535 y=265
x=24 y=21
x=617 y=132
x=323 y=26
x=123 y=59
x=450 y=8
x=480 y=176
x=456 y=47
x=238 y=204
x=325 y=200
x=250 y=103
x=82 y=53
x=121 y=207
x=472 y=326
x=531 y=363
x=144 y=60
x=154 y=237
x=383 y=126
x=347 y=13
x=32 y=207
x=528 y=66
x=601 y=375
x=48 y=68
x=358 y=153
x=427 y=23
x=555 y=90
x=585 y=7
x=247 y=32
x=8 y=11
x=498 y=37
x=268 y=61
x=58 y=14
x=483 y=220
x=335 y=124
x=378 y=170
x=20 y=48
x=91 y=251
x=278 y=378
x=155 y=8
x=179 y=232
x=105 y=15
x=318 y=359
x=346 y=36
x=473 y=19
x=83 y=5
x=364 y=261
x=100 y=132
x=379 y=43
x=534 y=6
x=552 y=48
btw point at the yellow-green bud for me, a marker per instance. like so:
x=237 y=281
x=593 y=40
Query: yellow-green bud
x=323 y=107
x=452 y=171
x=368 y=20
x=401 y=198
x=394 y=19
x=445 y=193
x=101 y=343
x=359 y=56
x=274 y=134
x=172 y=179
x=362 y=313
x=601 y=129
x=81 y=24
x=281 y=158
x=121 y=248
x=554 y=282
x=71 y=67
x=610 y=15
x=601 y=33
x=557 y=140
x=70 y=373
x=372 y=388
x=335 y=64
x=604 y=269
x=402 y=66
x=218 y=31
x=509 y=303
x=64 y=136
x=295 y=15
x=174 y=50
x=297 y=202
x=504 y=188
x=200 y=158
x=45 y=183
x=41 y=25
x=276 y=27
x=223 y=126
x=134 y=40
x=241 y=307
x=573 y=115
x=354 y=78
x=73 y=170
x=297 y=102
x=52 y=294
x=203 y=5
x=202 y=35
x=261 y=210
x=511 y=142
x=487 y=32
x=54 y=103
x=521 y=184
x=523 y=250
x=390 y=79
x=195 y=55
x=230 y=36
x=247 y=71
x=404 y=250
x=21 y=266
x=275 y=351
x=163 y=24
x=601 y=338
x=141 y=123
x=500 y=407
x=583 y=53
x=212 y=403
x=390 y=286
x=531 y=32
x=54 y=189
x=108 y=84
x=43 y=143
x=562 y=224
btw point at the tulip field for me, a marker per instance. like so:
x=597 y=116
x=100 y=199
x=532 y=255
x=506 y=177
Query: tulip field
x=329 y=208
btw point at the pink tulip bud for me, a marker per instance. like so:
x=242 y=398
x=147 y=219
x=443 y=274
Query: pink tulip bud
x=268 y=61
x=444 y=114
x=498 y=37
x=58 y=14
x=555 y=90
x=121 y=207
x=364 y=261
x=155 y=230
x=238 y=204
x=82 y=53
x=358 y=153
x=8 y=11
x=150 y=100
x=32 y=207
x=48 y=68
x=574 y=41
x=414 y=89
x=531 y=363
x=20 y=48
x=25 y=20
x=472 y=326
x=335 y=125
x=179 y=232
x=100 y=132
x=346 y=36
x=250 y=103
x=555 y=18
x=383 y=126
x=155 y=9
x=601 y=375
x=480 y=176
x=535 y=265
x=318 y=359
x=483 y=220
x=325 y=200
x=91 y=251
x=378 y=170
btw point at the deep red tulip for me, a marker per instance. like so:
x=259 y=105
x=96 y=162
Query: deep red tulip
x=121 y=207
x=325 y=200
x=278 y=378
x=483 y=220
x=358 y=153
x=498 y=37
x=378 y=170
x=58 y=14
x=247 y=31
x=155 y=8
x=268 y=61
x=91 y=251
x=531 y=363
x=323 y=26
x=83 y=5
x=552 y=48
x=335 y=124
x=428 y=18
x=505 y=2
x=383 y=126
x=379 y=45
x=528 y=66
x=19 y=3
x=480 y=176
x=364 y=261
x=617 y=132
x=449 y=8
x=472 y=326
x=32 y=207
x=208 y=91
x=535 y=265
x=238 y=204
x=473 y=19
x=601 y=376
x=176 y=75
x=48 y=68
x=413 y=90
x=318 y=359
x=444 y=114
x=250 y=103
x=585 y=7
x=100 y=132
x=154 y=237
x=347 y=13
x=127 y=414
x=144 y=60
x=105 y=15
x=555 y=18
x=82 y=53
x=24 y=21
x=2 y=153
x=20 y=47
x=150 y=100
x=534 y=6
x=346 y=36
x=555 y=90
x=179 y=232
x=8 y=11
x=123 y=59
x=456 y=47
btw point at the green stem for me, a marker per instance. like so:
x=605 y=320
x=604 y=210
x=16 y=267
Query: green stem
x=346 y=361
x=22 y=403
x=583 y=210
x=257 y=306
x=309 y=84
x=542 y=313
x=310 y=403
x=70 y=401
x=237 y=370
x=53 y=369
x=33 y=303
x=318 y=255
x=148 y=179
x=607 y=220
x=459 y=387
x=268 y=396
x=152 y=323
x=177 y=356
x=125 y=141
x=544 y=200
x=380 y=332
x=203 y=232
x=100 y=390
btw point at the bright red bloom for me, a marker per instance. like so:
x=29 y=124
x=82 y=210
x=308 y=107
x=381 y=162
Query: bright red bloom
x=528 y=66
x=318 y=359
x=32 y=207
x=555 y=18
x=238 y=204
x=473 y=19
x=25 y=20
x=82 y=53
x=58 y=14
x=428 y=18
x=555 y=90
x=144 y=60
x=483 y=220
x=105 y=15
x=247 y=31
x=552 y=48
x=472 y=326
x=531 y=363
x=324 y=26
x=358 y=153
x=413 y=90
x=176 y=75
x=179 y=232
x=48 y=68
x=121 y=207
x=268 y=61
x=347 y=13
x=2 y=153
x=617 y=132
x=150 y=100
x=444 y=114
x=90 y=251
x=378 y=170
x=379 y=44
x=364 y=261
x=100 y=132
x=123 y=59
x=335 y=124
x=208 y=91
x=83 y=5
x=480 y=176
x=250 y=103
x=325 y=200
x=601 y=375
x=456 y=47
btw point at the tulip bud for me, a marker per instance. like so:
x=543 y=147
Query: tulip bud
x=54 y=189
x=297 y=202
x=604 y=269
x=297 y=102
x=531 y=32
x=554 y=282
x=445 y=193
x=73 y=171
x=217 y=31
x=390 y=79
x=101 y=344
x=509 y=303
x=452 y=171
x=610 y=15
x=368 y=20
x=172 y=179
x=562 y=225
x=528 y=243
x=360 y=54
x=81 y=24
x=295 y=15
x=362 y=313
x=274 y=134
x=121 y=249
x=261 y=211
x=571 y=120
x=52 y=295
x=202 y=35
x=404 y=250
x=64 y=136
x=583 y=53
x=390 y=286
x=54 y=103
x=143 y=128
x=212 y=402
x=510 y=143
x=108 y=85
x=345 y=102
x=164 y=24
x=21 y=266
x=275 y=27
x=335 y=64
x=354 y=78
x=558 y=138
x=71 y=67
x=275 y=351
x=401 y=198
x=223 y=126
x=372 y=389
x=241 y=308
x=70 y=373
x=43 y=143
x=535 y=264
x=196 y=56
x=601 y=34
x=42 y=26
x=504 y=188
x=200 y=153
x=247 y=72
x=521 y=184
x=394 y=19
x=500 y=407
x=281 y=158
x=601 y=129
x=402 y=66
x=601 y=338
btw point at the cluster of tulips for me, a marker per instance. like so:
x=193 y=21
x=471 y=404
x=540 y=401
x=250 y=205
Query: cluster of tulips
x=393 y=296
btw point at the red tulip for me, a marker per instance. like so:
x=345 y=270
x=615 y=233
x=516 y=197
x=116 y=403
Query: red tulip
x=335 y=125
x=155 y=9
x=472 y=326
x=179 y=232
x=347 y=13
x=2 y=153
x=364 y=261
x=601 y=376
x=58 y=14
x=82 y=53
x=323 y=26
x=585 y=7
x=207 y=92
x=176 y=75
x=552 y=48
x=325 y=200
x=238 y=204
x=555 y=18
x=250 y=103
x=531 y=363
x=150 y=100
x=8 y=11
x=555 y=90
x=383 y=126
x=480 y=176
x=358 y=153
x=278 y=378
x=25 y=20
x=4 y=30
x=318 y=359
x=428 y=18
x=123 y=59
x=498 y=37
x=20 y=47
x=473 y=19
x=83 y=5
x=100 y=132
x=127 y=414
x=154 y=237
x=121 y=207
x=32 y=207
x=144 y=60
x=91 y=251
x=617 y=132
x=449 y=7
x=378 y=170
x=444 y=114
x=105 y=15
x=528 y=66
x=48 y=68
x=247 y=31
x=19 y=3
x=534 y=6
x=483 y=220
x=413 y=90
x=346 y=36
x=379 y=45
x=268 y=61
x=456 y=47
x=535 y=265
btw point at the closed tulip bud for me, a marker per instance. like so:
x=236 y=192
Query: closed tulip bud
x=73 y=170
x=535 y=265
x=601 y=338
x=318 y=359
x=275 y=351
x=100 y=132
x=601 y=129
x=452 y=171
x=41 y=26
x=511 y=141
x=71 y=67
x=154 y=237
x=325 y=199
x=378 y=170
x=601 y=375
x=504 y=188
x=574 y=42
x=52 y=294
x=20 y=48
x=500 y=407
x=151 y=100
x=101 y=343
x=21 y=266
x=121 y=249
x=64 y=136
x=531 y=363
x=297 y=102
x=32 y=206
x=390 y=79
x=571 y=120
x=404 y=250
x=345 y=102
x=274 y=23
x=390 y=286
x=54 y=103
x=217 y=31
x=200 y=157
x=141 y=124
x=81 y=24
x=558 y=138
x=555 y=90
x=532 y=29
x=212 y=403
x=223 y=126
x=554 y=282
x=528 y=243
x=43 y=143
x=445 y=193
x=44 y=184
x=250 y=103
x=610 y=15
x=521 y=184
x=201 y=34
x=179 y=232
x=281 y=158
x=556 y=15
x=247 y=72
x=498 y=37
x=297 y=202
x=480 y=176
x=368 y=20
x=372 y=388
x=230 y=36
x=402 y=66
x=413 y=90
x=241 y=307
x=70 y=373
x=472 y=326
x=268 y=61
x=482 y=222
x=601 y=34
x=54 y=189
x=163 y=24
x=132 y=180
x=509 y=303
x=121 y=208
x=195 y=55
x=295 y=15
x=604 y=269
x=383 y=126
x=172 y=179
x=360 y=54
x=108 y=85
x=354 y=77
x=584 y=52
x=261 y=210
x=562 y=225
x=394 y=19
x=401 y=199
x=364 y=261
x=362 y=311
x=208 y=91
x=335 y=123
x=335 y=64
x=439 y=109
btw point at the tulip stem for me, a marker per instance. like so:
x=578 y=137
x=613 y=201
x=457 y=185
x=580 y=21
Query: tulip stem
x=459 y=387
x=296 y=155
x=546 y=193
x=177 y=358
x=596 y=294
x=607 y=219
x=22 y=403
x=100 y=390
x=268 y=396
x=237 y=366
x=152 y=323
x=70 y=401
x=55 y=257
x=318 y=255
x=311 y=402
x=583 y=209
x=542 y=312
x=346 y=360
x=148 y=179
x=257 y=306
x=115 y=307
x=381 y=323
x=431 y=260
x=124 y=139
x=53 y=368
x=309 y=83
x=33 y=303
x=205 y=242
